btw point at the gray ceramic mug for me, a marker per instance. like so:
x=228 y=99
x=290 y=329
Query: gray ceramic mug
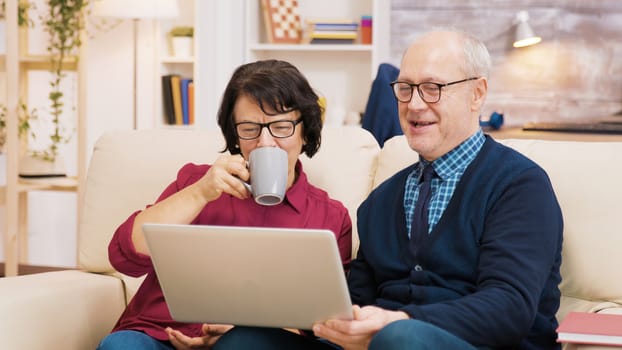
x=268 y=170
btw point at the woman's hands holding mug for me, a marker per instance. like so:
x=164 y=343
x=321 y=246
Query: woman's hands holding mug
x=224 y=176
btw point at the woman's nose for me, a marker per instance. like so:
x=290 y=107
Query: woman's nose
x=266 y=139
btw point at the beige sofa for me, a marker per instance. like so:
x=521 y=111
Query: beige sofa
x=75 y=309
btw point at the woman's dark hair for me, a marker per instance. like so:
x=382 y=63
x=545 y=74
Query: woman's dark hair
x=278 y=87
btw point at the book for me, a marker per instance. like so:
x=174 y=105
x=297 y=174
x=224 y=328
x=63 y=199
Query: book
x=168 y=110
x=282 y=21
x=333 y=35
x=185 y=111
x=176 y=93
x=191 y=102
x=331 y=41
x=335 y=26
x=590 y=328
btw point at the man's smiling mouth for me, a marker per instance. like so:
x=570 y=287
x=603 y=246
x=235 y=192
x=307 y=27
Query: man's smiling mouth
x=420 y=124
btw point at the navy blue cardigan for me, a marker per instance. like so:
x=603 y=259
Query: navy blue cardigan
x=489 y=270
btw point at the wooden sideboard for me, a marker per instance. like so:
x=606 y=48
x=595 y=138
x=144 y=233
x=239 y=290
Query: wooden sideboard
x=518 y=133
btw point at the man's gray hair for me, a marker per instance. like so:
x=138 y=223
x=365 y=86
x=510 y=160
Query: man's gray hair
x=477 y=61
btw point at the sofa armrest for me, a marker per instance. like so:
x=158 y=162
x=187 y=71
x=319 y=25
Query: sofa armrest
x=63 y=309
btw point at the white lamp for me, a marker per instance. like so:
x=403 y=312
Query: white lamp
x=524 y=33
x=135 y=10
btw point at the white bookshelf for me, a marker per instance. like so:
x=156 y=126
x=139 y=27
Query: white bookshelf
x=342 y=73
x=228 y=33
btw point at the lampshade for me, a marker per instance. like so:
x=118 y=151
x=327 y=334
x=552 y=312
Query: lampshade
x=135 y=8
x=524 y=33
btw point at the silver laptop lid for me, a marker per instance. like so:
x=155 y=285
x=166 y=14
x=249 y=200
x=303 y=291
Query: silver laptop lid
x=253 y=276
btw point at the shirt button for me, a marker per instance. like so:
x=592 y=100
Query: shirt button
x=418 y=268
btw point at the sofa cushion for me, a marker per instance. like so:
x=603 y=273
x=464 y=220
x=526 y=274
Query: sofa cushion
x=394 y=156
x=344 y=168
x=586 y=177
x=72 y=299
x=129 y=169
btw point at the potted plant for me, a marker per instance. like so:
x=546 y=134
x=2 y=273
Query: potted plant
x=23 y=125
x=181 y=41
x=63 y=23
x=22 y=11
x=24 y=116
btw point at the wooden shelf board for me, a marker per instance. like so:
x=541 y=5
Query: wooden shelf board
x=42 y=62
x=171 y=59
x=49 y=184
x=60 y=184
x=312 y=47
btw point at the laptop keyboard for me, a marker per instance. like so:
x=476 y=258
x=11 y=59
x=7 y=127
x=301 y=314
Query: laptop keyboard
x=593 y=127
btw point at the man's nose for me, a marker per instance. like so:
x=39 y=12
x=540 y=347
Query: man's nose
x=416 y=102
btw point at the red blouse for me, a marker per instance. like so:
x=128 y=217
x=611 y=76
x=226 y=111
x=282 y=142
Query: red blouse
x=305 y=206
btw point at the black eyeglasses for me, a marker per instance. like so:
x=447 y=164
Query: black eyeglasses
x=428 y=91
x=279 y=129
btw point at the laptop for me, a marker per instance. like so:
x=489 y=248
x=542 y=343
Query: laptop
x=249 y=276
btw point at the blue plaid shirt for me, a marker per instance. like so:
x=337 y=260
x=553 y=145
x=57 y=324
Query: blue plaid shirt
x=449 y=169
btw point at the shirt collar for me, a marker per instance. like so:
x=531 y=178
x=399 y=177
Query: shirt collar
x=458 y=158
x=296 y=194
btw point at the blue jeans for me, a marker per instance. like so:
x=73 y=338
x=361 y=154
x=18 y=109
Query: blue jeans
x=135 y=340
x=416 y=335
x=399 y=335
x=257 y=338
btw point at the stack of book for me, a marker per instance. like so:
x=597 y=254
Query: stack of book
x=332 y=31
x=591 y=328
x=178 y=100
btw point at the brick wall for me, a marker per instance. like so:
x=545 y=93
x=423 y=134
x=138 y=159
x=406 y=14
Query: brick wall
x=575 y=73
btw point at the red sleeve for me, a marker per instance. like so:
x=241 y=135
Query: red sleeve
x=344 y=240
x=121 y=251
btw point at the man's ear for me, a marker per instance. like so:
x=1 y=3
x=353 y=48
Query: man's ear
x=480 y=91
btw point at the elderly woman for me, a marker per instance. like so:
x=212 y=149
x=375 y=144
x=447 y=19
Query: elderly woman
x=266 y=104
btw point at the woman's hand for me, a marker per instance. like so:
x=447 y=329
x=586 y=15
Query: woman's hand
x=224 y=176
x=211 y=334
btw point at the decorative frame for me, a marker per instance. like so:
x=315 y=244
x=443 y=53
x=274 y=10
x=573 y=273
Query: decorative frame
x=282 y=21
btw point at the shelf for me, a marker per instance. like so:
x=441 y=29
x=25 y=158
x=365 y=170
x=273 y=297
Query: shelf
x=312 y=47
x=17 y=64
x=172 y=59
x=42 y=62
x=60 y=184
x=49 y=184
x=518 y=133
x=341 y=72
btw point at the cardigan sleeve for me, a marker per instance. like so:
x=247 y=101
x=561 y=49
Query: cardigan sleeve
x=361 y=282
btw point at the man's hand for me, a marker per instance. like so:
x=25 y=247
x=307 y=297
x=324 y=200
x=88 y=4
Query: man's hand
x=357 y=333
x=211 y=334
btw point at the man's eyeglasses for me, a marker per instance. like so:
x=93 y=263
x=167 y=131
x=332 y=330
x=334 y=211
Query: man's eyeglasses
x=428 y=91
x=279 y=129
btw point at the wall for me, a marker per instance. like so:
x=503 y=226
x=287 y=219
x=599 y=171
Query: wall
x=575 y=73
